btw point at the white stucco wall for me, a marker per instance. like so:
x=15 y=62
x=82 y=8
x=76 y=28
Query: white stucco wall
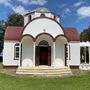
x=60 y=52
x=8 y=54
x=50 y=15
x=85 y=44
x=74 y=53
x=39 y=25
x=44 y=37
x=26 y=20
x=36 y=14
x=27 y=52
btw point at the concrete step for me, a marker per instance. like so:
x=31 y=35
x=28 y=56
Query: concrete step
x=44 y=71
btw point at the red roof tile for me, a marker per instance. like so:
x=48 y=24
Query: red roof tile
x=13 y=33
x=71 y=34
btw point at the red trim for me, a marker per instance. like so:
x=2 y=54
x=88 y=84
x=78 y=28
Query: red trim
x=10 y=66
x=74 y=66
x=27 y=35
x=66 y=54
x=44 y=34
x=62 y=36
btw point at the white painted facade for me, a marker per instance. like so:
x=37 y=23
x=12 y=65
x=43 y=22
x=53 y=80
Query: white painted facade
x=42 y=29
x=74 y=53
x=39 y=25
x=8 y=54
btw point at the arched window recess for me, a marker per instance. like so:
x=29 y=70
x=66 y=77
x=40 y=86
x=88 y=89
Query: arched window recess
x=43 y=43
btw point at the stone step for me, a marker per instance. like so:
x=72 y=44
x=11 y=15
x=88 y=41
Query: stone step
x=33 y=70
x=44 y=71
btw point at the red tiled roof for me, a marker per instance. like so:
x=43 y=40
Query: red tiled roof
x=71 y=34
x=14 y=33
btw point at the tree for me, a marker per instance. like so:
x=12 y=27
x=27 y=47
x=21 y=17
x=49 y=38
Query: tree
x=85 y=35
x=15 y=20
x=2 y=30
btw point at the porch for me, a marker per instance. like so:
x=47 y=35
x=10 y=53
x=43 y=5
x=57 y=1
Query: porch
x=45 y=50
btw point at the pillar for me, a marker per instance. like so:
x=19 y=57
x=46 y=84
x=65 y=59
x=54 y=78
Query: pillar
x=34 y=54
x=53 y=52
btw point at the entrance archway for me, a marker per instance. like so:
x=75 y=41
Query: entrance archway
x=43 y=53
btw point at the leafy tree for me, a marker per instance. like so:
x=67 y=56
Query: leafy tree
x=15 y=20
x=85 y=35
x=2 y=30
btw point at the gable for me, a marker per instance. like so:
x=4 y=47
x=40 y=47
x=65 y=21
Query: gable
x=41 y=25
x=15 y=33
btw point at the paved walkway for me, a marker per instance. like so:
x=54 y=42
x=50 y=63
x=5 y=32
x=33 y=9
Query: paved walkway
x=8 y=71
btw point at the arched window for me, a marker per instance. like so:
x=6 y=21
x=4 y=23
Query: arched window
x=42 y=15
x=43 y=43
x=16 y=51
x=54 y=17
x=30 y=17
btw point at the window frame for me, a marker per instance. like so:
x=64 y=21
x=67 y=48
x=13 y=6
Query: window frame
x=84 y=55
x=16 y=51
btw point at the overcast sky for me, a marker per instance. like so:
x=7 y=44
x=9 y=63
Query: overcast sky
x=73 y=13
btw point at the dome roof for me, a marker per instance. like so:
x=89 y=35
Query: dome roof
x=41 y=10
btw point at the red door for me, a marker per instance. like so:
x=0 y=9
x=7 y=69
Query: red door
x=40 y=56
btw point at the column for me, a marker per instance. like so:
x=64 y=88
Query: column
x=34 y=54
x=53 y=52
x=89 y=54
x=68 y=56
x=20 y=54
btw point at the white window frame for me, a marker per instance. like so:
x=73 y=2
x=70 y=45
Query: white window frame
x=17 y=45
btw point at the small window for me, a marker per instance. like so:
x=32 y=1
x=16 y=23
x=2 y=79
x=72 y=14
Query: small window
x=84 y=54
x=30 y=17
x=16 y=51
x=54 y=17
x=42 y=15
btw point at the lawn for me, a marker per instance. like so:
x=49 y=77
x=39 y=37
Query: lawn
x=81 y=82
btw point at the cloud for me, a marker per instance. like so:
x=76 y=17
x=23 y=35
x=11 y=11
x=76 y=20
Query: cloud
x=6 y=2
x=19 y=9
x=66 y=12
x=84 y=12
x=79 y=3
x=33 y=2
x=62 y=6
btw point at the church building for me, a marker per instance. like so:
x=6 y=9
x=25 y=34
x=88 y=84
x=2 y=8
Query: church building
x=42 y=41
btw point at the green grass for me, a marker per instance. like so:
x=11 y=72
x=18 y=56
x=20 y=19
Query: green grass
x=36 y=83
x=81 y=82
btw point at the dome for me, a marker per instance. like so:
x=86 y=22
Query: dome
x=41 y=10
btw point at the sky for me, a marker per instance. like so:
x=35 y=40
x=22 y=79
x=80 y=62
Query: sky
x=73 y=13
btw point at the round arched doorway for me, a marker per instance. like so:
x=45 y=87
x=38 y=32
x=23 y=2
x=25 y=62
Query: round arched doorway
x=43 y=53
